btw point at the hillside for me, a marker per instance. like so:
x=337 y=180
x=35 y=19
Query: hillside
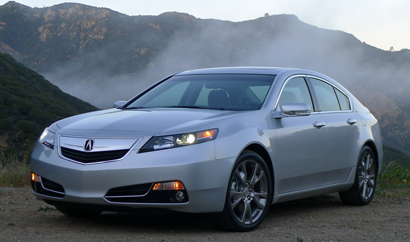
x=102 y=56
x=28 y=104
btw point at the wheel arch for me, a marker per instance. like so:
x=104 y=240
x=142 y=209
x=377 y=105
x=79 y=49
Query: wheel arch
x=260 y=150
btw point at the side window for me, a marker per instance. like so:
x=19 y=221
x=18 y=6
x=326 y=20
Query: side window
x=343 y=100
x=295 y=91
x=326 y=95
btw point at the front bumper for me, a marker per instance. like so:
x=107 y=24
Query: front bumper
x=205 y=178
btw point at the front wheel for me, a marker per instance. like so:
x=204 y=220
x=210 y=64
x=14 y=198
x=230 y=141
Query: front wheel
x=249 y=194
x=362 y=191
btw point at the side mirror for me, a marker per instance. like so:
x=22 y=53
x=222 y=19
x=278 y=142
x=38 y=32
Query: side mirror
x=119 y=104
x=293 y=109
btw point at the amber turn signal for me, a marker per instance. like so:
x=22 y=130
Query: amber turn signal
x=174 y=185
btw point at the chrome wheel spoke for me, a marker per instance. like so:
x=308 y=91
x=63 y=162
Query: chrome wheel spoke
x=241 y=176
x=258 y=204
x=361 y=185
x=364 y=189
x=261 y=175
x=369 y=188
x=371 y=183
x=361 y=180
x=258 y=195
x=369 y=162
x=246 y=212
x=363 y=165
x=253 y=179
x=235 y=203
x=236 y=193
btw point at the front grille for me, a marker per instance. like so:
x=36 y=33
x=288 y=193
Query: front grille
x=89 y=157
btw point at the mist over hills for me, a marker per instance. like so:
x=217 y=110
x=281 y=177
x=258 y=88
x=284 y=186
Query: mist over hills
x=102 y=56
x=28 y=104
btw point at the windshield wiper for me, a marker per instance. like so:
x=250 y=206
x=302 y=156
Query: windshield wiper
x=128 y=108
x=186 y=106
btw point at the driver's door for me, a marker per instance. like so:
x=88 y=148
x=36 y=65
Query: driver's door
x=300 y=142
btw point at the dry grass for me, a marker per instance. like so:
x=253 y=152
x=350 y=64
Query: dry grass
x=15 y=174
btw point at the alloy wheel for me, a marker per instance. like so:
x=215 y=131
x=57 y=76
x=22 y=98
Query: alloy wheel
x=366 y=176
x=248 y=192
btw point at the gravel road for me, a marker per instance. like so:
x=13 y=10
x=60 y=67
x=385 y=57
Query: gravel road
x=325 y=218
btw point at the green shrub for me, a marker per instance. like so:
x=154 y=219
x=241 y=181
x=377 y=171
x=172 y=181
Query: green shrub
x=394 y=176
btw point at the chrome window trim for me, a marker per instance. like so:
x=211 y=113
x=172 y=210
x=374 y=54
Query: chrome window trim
x=283 y=86
x=326 y=81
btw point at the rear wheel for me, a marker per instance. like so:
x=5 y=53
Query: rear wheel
x=362 y=191
x=249 y=194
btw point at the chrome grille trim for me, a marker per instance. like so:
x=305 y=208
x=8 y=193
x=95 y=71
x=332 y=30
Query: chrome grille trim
x=104 y=150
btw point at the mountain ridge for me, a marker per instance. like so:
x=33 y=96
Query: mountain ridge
x=101 y=56
x=28 y=104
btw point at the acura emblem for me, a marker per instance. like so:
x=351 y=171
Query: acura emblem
x=89 y=145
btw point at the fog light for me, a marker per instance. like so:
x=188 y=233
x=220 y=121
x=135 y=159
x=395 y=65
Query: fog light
x=179 y=196
x=175 y=185
x=35 y=178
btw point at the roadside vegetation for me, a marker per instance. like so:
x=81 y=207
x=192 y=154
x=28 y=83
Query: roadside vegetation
x=13 y=171
x=394 y=180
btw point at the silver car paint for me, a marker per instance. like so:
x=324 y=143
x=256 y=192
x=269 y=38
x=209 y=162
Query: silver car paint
x=299 y=170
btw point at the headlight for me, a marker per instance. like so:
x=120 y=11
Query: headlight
x=47 y=138
x=172 y=141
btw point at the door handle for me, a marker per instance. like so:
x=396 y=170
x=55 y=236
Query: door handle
x=319 y=124
x=351 y=121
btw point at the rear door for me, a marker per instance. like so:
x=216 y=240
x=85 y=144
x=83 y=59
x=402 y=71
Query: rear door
x=342 y=127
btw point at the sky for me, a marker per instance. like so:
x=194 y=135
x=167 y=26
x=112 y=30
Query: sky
x=380 y=23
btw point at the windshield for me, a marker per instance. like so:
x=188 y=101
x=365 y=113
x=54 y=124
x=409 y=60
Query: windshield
x=222 y=92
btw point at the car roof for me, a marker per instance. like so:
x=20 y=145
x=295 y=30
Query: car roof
x=276 y=71
x=235 y=70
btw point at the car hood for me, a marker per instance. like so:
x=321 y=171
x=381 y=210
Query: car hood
x=139 y=122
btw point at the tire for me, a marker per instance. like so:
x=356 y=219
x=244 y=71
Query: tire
x=75 y=211
x=362 y=191
x=249 y=194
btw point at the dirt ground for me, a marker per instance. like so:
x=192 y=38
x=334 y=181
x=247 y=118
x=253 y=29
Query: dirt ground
x=325 y=218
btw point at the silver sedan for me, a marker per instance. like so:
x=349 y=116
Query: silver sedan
x=227 y=141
